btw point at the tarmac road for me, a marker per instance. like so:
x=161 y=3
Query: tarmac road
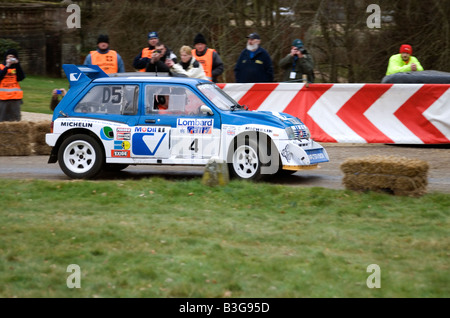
x=328 y=176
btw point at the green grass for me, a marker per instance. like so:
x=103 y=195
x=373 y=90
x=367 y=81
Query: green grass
x=37 y=92
x=161 y=238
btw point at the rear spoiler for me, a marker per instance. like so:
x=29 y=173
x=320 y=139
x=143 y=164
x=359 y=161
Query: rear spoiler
x=80 y=74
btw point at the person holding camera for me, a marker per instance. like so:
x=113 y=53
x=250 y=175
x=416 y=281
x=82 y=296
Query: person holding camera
x=11 y=94
x=298 y=65
x=141 y=60
x=157 y=63
x=57 y=95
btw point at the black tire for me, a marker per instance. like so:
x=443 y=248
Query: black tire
x=114 y=167
x=245 y=161
x=81 y=157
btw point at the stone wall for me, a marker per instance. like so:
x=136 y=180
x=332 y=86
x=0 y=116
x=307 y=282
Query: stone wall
x=44 y=38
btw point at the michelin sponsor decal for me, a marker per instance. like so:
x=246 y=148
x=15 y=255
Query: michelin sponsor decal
x=195 y=125
x=76 y=124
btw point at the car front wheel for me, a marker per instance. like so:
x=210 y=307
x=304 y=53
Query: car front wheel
x=80 y=157
x=246 y=163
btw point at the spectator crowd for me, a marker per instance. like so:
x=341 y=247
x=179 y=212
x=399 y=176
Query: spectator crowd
x=254 y=64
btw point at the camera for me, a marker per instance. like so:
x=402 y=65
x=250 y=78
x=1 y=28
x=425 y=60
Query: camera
x=157 y=51
x=58 y=91
x=302 y=50
x=13 y=60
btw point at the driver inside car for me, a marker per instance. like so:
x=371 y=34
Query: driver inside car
x=161 y=102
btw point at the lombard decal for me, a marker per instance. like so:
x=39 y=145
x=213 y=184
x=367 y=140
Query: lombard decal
x=123 y=133
x=107 y=133
x=195 y=125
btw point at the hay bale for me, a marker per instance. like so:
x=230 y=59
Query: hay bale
x=391 y=165
x=16 y=139
x=39 y=130
x=392 y=174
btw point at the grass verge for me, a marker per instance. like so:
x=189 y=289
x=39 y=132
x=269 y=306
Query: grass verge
x=161 y=238
x=37 y=92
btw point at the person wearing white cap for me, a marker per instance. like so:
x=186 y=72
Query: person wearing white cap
x=254 y=64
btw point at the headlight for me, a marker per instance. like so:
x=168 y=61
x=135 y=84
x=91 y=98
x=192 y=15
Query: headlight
x=298 y=132
x=290 y=133
x=304 y=133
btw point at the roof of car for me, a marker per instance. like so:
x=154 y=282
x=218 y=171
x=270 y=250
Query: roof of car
x=81 y=75
x=151 y=79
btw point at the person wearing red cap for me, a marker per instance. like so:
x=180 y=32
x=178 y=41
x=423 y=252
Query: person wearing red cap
x=404 y=61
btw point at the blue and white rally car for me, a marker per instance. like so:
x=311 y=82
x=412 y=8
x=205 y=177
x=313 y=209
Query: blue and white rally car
x=108 y=123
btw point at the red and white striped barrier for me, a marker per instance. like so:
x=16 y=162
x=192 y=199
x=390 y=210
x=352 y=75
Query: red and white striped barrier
x=357 y=113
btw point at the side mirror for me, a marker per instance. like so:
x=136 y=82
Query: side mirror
x=206 y=109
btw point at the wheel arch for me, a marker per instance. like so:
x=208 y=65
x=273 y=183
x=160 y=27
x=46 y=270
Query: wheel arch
x=54 y=153
x=268 y=157
x=269 y=143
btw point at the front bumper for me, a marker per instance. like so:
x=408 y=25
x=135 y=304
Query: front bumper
x=299 y=155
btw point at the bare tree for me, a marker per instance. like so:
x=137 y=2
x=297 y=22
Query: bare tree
x=335 y=32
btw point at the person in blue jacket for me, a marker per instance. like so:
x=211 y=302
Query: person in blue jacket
x=254 y=64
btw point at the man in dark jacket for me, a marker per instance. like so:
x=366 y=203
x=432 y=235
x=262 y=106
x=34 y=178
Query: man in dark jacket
x=11 y=94
x=157 y=61
x=254 y=65
x=297 y=64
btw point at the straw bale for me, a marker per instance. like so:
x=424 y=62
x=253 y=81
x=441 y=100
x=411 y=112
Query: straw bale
x=39 y=130
x=392 y=165
x=15 y=139
x=397 y=175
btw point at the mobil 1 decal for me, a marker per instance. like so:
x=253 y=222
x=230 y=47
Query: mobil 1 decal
x=147 y=140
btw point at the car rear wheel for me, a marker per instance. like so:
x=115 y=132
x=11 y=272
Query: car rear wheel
x=246 y=163
x=81 y=157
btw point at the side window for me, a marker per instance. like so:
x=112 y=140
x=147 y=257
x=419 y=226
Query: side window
x=170 y=100
x=110 y=99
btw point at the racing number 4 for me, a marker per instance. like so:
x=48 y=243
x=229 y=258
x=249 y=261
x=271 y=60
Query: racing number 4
x=194 y=145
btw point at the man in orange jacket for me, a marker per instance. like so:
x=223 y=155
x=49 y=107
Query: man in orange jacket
x=11 y=94
x=211 y=62
x=109 y=60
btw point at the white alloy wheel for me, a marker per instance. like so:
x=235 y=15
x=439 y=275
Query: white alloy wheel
x=79 y=156
x=246 y=163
